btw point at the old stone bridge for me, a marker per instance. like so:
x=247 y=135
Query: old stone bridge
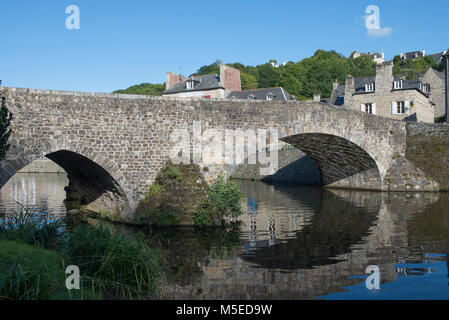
x=112 y=145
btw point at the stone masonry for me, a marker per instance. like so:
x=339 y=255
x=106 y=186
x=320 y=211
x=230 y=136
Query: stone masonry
x=113 y=145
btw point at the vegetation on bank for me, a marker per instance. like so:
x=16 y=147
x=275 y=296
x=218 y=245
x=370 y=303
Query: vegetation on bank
x=111 y=264
x=313 y=75
x=181 y=196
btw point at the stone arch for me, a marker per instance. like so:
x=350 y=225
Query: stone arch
x=342 y=163
x=98 y=180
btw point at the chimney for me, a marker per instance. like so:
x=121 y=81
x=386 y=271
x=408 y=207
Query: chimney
x=384 y=77
x=335 y=84
x=349 y=91
x=230 y=78
x=173 y=79
x=316 y=98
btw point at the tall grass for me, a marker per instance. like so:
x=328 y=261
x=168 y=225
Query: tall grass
x=117 y=266
x=111 y=265
x=33 y=227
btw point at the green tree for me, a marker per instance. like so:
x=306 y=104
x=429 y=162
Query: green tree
x=5 y=130
x=152 y=89
x=248 y=81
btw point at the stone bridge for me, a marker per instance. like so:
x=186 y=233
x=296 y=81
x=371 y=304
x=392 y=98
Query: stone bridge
x=113 y=145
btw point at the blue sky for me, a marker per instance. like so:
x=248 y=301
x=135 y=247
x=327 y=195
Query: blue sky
x=121 y=43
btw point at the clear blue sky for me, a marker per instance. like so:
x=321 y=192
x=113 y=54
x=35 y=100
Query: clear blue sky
x=121 y=43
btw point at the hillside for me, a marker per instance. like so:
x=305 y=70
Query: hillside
x=309 y=76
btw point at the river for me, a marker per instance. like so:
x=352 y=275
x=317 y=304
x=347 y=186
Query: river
x=294 y=243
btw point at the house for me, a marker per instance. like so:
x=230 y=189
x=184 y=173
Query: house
x=438 y=57
x=227 y=85
x=377 y=57
x=386 y=95
x=413 y=55
x=436 y=81
x=205 y=86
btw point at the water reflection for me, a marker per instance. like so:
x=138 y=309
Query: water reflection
x=44 y=192
x=296 y=243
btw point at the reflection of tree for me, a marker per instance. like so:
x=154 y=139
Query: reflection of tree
x=335 y=227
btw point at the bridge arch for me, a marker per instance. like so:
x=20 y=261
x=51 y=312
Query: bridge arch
x=341 y=162
x=98 y=181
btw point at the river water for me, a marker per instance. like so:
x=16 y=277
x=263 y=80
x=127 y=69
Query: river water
x=295 y=243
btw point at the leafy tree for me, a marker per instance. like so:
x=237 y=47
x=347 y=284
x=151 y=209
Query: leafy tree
x=269 y=76
x=144 y=89
x=5 y=130
x=248 y=81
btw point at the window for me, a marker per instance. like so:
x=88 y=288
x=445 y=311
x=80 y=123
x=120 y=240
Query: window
x=368 y=108
x=269 y=96
x=425 y=88
x=401 y=107
x=190 y=84
x=399 y=84
x=251 y=97
x=369 y=87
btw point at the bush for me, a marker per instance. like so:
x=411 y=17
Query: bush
x=223 y=200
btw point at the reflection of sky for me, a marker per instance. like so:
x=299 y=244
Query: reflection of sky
x=427 y=280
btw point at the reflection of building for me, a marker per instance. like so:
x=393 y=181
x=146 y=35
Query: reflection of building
x=386 y=95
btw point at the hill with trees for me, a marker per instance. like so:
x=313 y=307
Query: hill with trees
x=313 y=75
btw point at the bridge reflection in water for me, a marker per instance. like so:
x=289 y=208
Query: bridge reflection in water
x=307 y=243
x=296 y=243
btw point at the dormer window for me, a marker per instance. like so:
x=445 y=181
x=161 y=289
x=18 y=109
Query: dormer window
x=251 y=97
x=425 y=88
x=369 y=87
x=269 y=96
x=398 y=84
x=190 y=84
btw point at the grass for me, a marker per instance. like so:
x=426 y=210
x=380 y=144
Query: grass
x=111 y=265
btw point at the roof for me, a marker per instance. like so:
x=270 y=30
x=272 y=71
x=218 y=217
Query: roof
x=337 y=94
x=278 y=93
x=202 y=83
x=438 y=57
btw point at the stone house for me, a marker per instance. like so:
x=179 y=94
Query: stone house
x=205 y=86
x=386 y=95
x=227 y=85
x=437 y=93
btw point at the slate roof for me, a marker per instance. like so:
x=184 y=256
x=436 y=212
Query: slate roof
x=438 y=57
x=338 y=94
x=202 y=83
x=278 y=93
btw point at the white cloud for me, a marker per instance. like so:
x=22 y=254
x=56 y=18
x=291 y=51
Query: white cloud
x=380 y=32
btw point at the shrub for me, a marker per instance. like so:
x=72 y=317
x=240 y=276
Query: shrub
x=225 y=196
x=222 y=200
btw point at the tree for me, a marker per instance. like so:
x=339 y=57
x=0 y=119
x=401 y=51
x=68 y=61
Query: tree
x=248 y=81
x=5 y=130
x=152 y=89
